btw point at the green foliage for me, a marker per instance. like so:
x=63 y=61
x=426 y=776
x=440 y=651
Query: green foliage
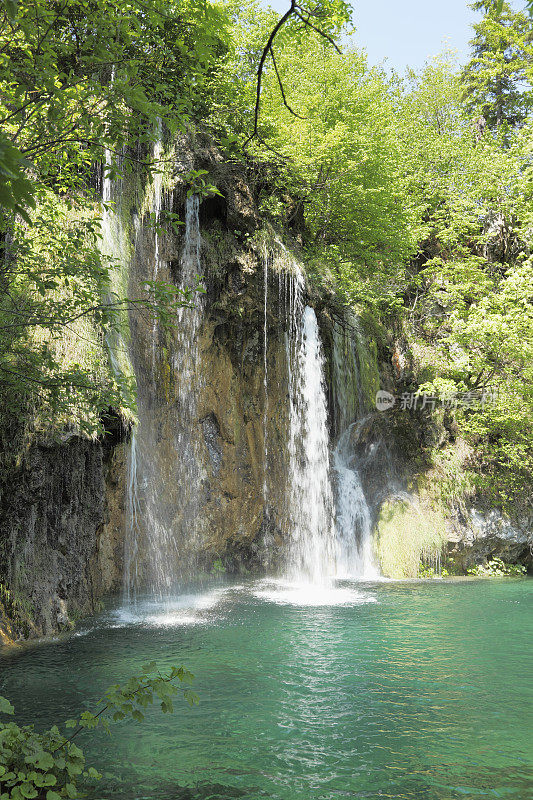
x=498 y=79
x=403 y=206
x=81 y=75
x=81 y=83
x=472 y=280
x=18 y=610
x=58 y=308
x=49 y=766
x=496 y=568
x=345 y=160
x=431 y=572
x=199 y=185
x=16 y=190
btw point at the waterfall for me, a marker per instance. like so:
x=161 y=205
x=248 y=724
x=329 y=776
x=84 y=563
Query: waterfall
x=115 y=245
x=328 y=533
x=311 y=535
x=133 y=512
x=186 y=370
x=157 y=207
x=266 y=264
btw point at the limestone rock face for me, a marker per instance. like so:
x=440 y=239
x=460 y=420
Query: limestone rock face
x=232 y=430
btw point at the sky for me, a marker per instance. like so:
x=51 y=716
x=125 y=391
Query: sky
x=409 y=32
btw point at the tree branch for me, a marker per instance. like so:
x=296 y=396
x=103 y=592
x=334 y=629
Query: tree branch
x=322 y=33
x=275 y=30
x=294 y=10
x=281 y=87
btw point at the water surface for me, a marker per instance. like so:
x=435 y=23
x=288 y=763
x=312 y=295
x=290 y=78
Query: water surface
x=388 y=690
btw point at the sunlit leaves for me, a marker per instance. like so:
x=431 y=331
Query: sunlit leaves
x=472 y=288
x=79 y=75
x=5 y=706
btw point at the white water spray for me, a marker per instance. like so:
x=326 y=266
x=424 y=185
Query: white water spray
x=157 y=206
x=266 y=265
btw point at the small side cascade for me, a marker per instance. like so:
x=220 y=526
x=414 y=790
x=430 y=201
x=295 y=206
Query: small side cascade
x=133 y=514
x=115 y=245
x=157 y=208
x=354 y=554
x=186 y=372
x=266 y=266
x=353 y=519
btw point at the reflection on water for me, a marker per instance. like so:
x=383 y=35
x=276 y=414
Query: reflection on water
x=366 y=690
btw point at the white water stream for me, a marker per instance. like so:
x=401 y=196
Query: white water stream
x=328 y=532
x=311 y=554
x=354 y=557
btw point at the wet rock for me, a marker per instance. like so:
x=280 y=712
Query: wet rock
x=59 y=534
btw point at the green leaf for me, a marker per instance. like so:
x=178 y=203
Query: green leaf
x=6 y=707
x=28 y=790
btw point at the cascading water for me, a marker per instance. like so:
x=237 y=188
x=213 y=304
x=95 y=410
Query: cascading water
x=354 y=555
x=133 y=513
x=157 y=208
x=115 y=245
x=328 y=535
x=311 y=532
x=266 y=266
x=189 y=319
x=353 y=519
x=312 y=543
x=163 y=489
x=166 y=472
x=188 y=377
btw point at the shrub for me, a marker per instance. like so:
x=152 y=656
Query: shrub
x=48 y=765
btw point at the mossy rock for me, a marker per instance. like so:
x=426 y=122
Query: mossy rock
x=406 y=533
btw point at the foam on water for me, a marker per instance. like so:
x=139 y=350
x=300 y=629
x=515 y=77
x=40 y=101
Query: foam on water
x=310 y=594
